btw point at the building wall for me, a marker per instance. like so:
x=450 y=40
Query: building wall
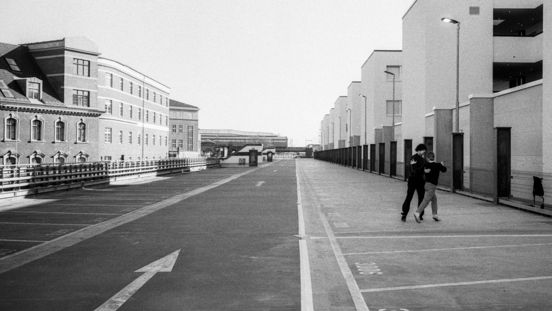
x=148 y=126
x=547 y=95
x=482 y=145
x=333 y=126
x=356 y=103
x=179 y=137
x=340 y=120
x=522 y=111
x=465 y=127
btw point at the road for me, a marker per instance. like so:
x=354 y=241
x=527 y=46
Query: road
x=292 y=235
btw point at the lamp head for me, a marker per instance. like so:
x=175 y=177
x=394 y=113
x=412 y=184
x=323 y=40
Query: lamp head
x=449 y=20
x=389 y=73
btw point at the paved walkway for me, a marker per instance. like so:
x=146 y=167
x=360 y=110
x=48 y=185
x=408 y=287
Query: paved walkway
x=479 y=257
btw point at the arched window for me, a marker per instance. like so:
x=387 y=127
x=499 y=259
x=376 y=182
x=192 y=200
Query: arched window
x=11 y=129
x=60 y=131
x=36 y=129
x=81 y=157
x=59 y=157
x=9 y=158
x=36 y=157
x=81 y=132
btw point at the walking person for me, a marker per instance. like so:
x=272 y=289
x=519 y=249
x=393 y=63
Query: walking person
x=415 y=180
x=432 y=171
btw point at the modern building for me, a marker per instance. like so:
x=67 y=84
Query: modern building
x=233 y=140
x=135 y=125
x=184 y=136
x=48 y=102
x=355 y=108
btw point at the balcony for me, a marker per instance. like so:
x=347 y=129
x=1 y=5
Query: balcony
x=518 y=49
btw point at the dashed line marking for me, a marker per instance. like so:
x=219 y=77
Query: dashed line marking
x=23 y=241
x=443 y=236
x=42 y=224
x=260 y=183
x=341 y=225
x=368 y=268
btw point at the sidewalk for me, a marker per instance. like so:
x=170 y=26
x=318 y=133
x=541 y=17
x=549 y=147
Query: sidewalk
x=480 y=256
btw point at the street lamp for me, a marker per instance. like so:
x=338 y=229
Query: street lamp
x=393 y=104
x=365 y=117
x=457 y=108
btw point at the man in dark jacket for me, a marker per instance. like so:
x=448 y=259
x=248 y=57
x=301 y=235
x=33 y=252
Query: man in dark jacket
x=415 y=180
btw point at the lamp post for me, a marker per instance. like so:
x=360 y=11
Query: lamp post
x=393 y=104
x=457 y=107
x=365 y=117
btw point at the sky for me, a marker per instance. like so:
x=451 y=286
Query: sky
x=252 y=65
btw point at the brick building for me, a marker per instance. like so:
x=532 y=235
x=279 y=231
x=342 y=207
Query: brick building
x=184 y=136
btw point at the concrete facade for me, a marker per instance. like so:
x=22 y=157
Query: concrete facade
x=184 y=127
x=355 y=103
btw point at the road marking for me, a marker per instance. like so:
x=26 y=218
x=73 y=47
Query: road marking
x=368 y=268
x=62 y=213
x=49 y=247
x=41 y=224
x=446 y=249
x=352 y=286
x=97 y=189
x=341 y=225
x=307 y=302
x=260 y=183
x=443 y=236
x=398 y=288
x=164 y=264
x=274 y=171
x=23 y=241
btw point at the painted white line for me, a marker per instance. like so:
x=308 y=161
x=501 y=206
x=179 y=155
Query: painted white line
x=24 y=241
x=36 y=252
x=307 y=302
x=41 y=224
x=340 y=225
x=275 y=171
x=398 y=288
x=444 y=236
x=62 y=213
x=164 y=264
x=260 y=183
x=446 y=249
x=352 y=286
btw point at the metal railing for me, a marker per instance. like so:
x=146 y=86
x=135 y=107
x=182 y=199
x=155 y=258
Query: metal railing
x=32 y=178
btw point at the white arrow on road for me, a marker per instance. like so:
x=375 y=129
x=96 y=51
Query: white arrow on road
x=164 y=264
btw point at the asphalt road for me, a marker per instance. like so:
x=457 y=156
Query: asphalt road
x=238 y=239
x=237 y=245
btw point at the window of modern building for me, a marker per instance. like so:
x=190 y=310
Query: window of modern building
x=33 y=90
x=180 y=143
x=139 y=113
x=108 y=106
x=167 y=120
x=166 y=140
x=109 y=79
x=146 y=139
x=11 y=129
x=398 y=107
x=108 y=135
x=174 y=128
x=147 y=94
x=130 y=111
x=130 y=137
x=81 y=67
x=154 y=116
x=81 y=98
x=396 y=70
x=140 y=91
x=161 y=99
x=121 y=84
x=180 y=128
x=81 y=132
x=121 y=110
x=13 y=65
x=173 y=143
x=190 y=138
x=153 y=139
x=131 y=87
x=154 y=97
x=36 y=130
x=139 y=139
x=60 y=131
x=147 y=115
x=120 y=137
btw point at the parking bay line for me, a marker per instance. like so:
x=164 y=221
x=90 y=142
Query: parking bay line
x=62 y=213
x=22 y=241
x=443 y=236
x=47 y=248
x=42 y=224
x=446 y=249
x=413 y=287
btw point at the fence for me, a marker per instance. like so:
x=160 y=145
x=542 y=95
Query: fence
x=17 y=180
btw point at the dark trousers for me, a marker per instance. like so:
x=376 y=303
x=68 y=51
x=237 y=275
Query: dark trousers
x=413 y=185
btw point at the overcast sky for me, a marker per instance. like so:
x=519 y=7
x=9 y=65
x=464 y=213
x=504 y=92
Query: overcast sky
x=253 y=65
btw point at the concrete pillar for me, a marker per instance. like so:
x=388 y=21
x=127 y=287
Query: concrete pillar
x=443 y=143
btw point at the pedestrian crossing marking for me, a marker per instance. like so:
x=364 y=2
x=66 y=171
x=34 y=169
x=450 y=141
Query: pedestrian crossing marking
x=368 y=268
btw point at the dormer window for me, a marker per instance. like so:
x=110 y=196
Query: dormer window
x=33 y=90
x=13 y=65
x=4 y=90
